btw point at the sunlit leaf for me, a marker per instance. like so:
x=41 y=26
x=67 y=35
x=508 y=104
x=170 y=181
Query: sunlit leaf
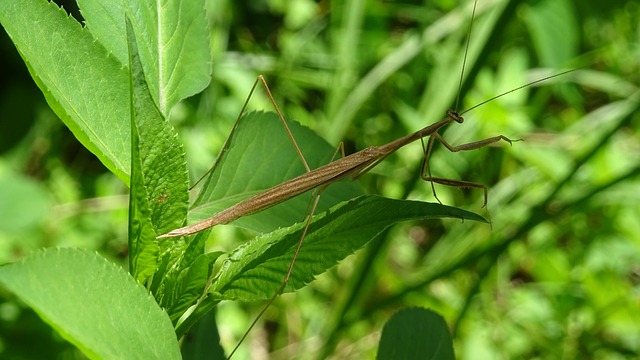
x=92 y=303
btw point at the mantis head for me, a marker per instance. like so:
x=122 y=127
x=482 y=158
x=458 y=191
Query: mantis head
x=454 y=116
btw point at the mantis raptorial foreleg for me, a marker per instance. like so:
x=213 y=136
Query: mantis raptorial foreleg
x=425 y=174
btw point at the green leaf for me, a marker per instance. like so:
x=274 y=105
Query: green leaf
x=203 y=341
x=92 y=303
x=185 y=286
x=416 y=333
x=83 y=85
x=173 y=43
x=254 y=271
x=24 y=202
x=258 y=156
x=207 y=305
x=85 y=81
x=553 y=28
x=159 y=180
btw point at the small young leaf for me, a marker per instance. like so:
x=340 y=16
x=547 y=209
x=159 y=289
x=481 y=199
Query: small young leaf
x=416 y=333
x=92 y=303
x=184 y=287
x=255 y=270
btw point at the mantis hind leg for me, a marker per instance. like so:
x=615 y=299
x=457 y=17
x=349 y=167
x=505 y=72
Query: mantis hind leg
x=313 y=206
x=284 y=123
x=259 y=80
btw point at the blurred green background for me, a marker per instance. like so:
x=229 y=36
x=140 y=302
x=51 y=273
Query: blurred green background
x=555 y=276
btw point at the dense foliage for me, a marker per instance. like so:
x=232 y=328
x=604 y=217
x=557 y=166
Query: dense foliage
x=555 y=274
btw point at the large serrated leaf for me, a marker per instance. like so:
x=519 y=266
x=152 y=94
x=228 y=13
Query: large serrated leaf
x=85 y=87
x=159 y=180
x=92 y=303
x=172 y=37
x=255 y=270
x=85 y=81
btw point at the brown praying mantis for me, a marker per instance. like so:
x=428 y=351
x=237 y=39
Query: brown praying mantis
x=352 y=166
